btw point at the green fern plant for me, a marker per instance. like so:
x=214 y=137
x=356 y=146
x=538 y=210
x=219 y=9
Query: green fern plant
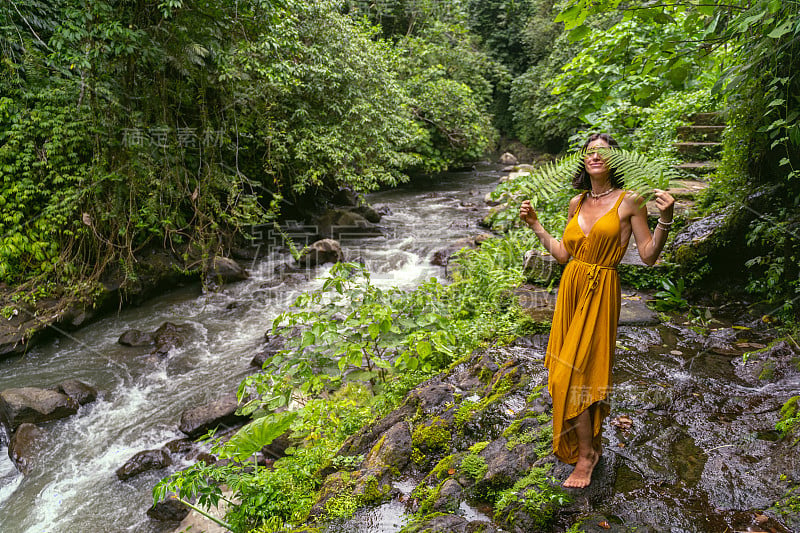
x=639 y=173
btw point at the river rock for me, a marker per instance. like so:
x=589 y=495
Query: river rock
x=540 y=267
x=169 y=510
x=78 y=391
x=134 y=338
x=368 y=212
x=169 y=336
x=274 y=344
x=450 y=523
x=144 y=462
x=450 y=496
x=180 y=446
x=221 y=412
x=508 y=159
x=225 y=270
x=346 y=197
x=321 y=252
x=442 y=256
x=26 y=443
x=29 y=404
x=340 y=223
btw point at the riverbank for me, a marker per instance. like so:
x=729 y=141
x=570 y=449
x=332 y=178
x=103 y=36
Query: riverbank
x=141 y=398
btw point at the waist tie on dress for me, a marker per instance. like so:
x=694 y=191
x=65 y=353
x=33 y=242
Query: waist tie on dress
x=594 y=272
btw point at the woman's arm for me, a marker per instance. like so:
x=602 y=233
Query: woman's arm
x=554 y=246
x=651 y=244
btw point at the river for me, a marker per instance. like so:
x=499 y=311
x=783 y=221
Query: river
x=73 y=486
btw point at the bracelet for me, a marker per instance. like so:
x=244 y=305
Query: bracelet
x=663 y=227
x=665 y=223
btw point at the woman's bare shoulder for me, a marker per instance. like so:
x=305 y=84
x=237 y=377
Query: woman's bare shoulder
x=633 y=201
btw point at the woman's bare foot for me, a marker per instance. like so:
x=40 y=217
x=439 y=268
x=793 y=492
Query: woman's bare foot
x=582 y=475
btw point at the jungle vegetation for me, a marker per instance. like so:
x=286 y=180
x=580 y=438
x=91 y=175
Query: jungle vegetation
x=179 y=124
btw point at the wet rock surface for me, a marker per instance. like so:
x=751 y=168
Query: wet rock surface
x=321 y=252
x=28 y=441
x=221 y=412
x=690 y=444
x=30 y=404
x=78 y=391
x=144 y=462
x=225 y=270
x=170 y=510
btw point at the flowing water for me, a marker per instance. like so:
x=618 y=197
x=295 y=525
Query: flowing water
x=73 y=487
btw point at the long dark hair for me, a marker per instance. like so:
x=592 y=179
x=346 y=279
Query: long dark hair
x=581 y=180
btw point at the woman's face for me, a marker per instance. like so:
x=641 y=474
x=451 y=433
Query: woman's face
x=596 y=167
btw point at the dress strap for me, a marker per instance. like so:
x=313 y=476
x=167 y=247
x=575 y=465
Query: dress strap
x=580 y=203
x=619 y=200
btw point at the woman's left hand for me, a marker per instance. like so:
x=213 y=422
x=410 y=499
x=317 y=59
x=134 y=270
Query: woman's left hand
x=665 y=204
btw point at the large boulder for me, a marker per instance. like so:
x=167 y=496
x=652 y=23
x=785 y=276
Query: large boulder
x=508 y=159
x=321 y=252
x=368 y=212
x=29 y=404
x=225 y=270
x=144 y=462
x=78 y=391
x=340 y=223
x=27 y=441
x=221 y=412
x=540 y=267
x=169 y=336
x=170 y=510
x=134 y=337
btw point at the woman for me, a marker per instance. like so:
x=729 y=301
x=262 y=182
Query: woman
x=583 y=334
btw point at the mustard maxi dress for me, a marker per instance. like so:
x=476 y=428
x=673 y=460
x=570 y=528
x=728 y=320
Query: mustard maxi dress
x=584 y=331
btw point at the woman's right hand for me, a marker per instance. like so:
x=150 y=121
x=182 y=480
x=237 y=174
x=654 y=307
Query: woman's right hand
x=527 y=213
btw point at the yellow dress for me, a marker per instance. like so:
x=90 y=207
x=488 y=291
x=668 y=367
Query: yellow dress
x=584 y=331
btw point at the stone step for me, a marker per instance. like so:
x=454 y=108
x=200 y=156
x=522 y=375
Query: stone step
x=707 y=119
x=687 y=189
x=696 y=151
x=700 y=133
x=697 y=169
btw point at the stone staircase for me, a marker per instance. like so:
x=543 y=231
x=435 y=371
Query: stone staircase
x=699 y=146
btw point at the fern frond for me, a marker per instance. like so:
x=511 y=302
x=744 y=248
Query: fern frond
x=639 y=174
x=547 y=180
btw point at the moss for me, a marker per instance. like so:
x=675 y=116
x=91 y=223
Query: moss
x=767 y=371
x=533 y=495
x=474 y=466
x=433 y=436
x=464 y=413
x=442 y=468
x=417 y=456
x=478 y=447
x=352 y=492
x=788 y=507
x=790 y=416
x=535 y=394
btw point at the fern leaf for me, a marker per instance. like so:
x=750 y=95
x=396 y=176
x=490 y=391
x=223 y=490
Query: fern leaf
x=639 y=174
x=547 y=180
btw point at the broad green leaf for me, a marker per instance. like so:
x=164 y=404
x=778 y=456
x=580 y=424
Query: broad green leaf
x=374 y=330
x=424 y=349
x=579 y=33
x=308 y=339
x=257 y=434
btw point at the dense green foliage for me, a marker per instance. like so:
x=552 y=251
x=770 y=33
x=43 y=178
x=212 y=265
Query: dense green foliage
x=390 y=341
x=180 y=124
